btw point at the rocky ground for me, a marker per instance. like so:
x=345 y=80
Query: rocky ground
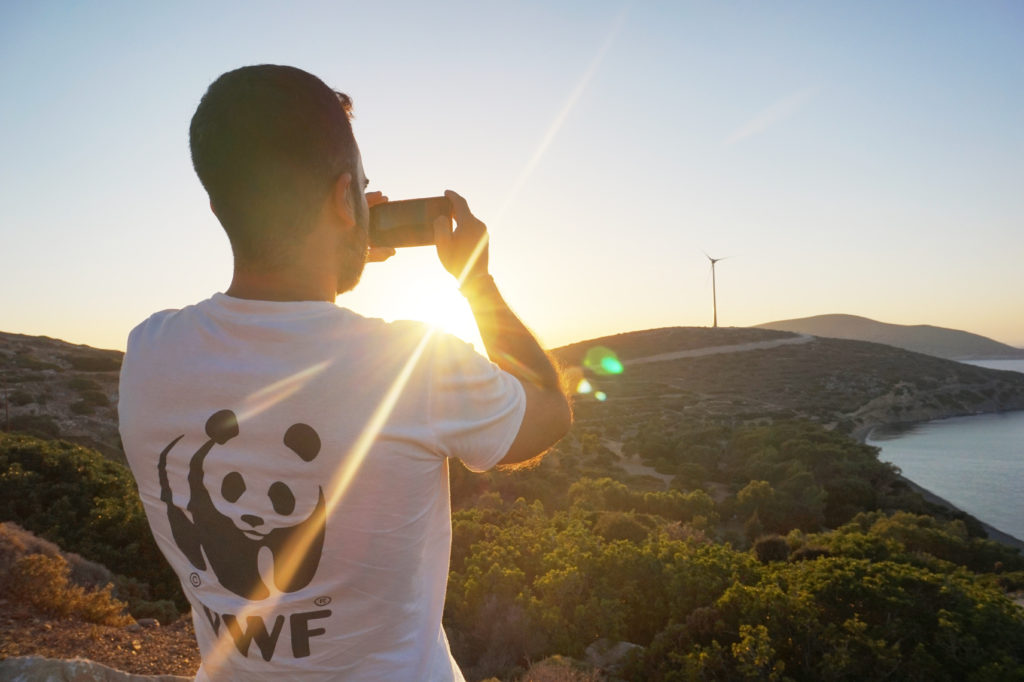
x=54 y=389
x=159 y=650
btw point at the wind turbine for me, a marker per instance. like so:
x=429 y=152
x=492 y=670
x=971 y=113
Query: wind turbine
x=714 y=295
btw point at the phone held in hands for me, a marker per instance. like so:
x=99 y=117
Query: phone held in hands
x=409 y=222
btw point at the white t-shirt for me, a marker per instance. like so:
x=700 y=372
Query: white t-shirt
x=292 y=461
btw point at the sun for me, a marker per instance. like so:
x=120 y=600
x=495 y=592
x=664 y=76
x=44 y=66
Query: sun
x=448 y=312
x=412 y=285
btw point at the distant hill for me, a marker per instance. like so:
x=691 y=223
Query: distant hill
x=952 y=344
x=54 y=389
x=850 y=385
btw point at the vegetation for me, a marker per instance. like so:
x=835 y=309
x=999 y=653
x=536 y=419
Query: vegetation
x=800 y=556
x=83 y=502
x=43 y=581
x=717 y=515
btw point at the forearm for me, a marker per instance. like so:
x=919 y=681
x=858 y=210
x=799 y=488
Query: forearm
x=509 y=344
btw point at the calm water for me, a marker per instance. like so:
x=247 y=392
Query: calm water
x=977 y=463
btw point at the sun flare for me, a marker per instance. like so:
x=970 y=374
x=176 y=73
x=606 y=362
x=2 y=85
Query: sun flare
x=448 y=312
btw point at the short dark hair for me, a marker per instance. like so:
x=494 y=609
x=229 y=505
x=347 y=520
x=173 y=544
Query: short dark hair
x=267 y=143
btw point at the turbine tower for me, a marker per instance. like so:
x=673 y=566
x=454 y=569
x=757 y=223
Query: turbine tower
x=714 y=295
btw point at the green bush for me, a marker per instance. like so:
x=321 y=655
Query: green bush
x=85 y=503
x=769 y=548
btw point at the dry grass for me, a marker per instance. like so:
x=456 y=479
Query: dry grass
x=43 y=581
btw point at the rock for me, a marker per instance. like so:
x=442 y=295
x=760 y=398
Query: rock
x=608 y=655
x=148 y=622
x=38 y=669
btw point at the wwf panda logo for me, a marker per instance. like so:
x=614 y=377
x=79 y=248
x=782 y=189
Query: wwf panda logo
x=236 y=521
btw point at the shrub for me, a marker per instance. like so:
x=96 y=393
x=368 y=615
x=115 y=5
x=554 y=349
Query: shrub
x=95 y=363
x=82 y=407
x=621 y=526
x=83 y=384
x=93 y=397
x=83 y=502
x=43 y=582
x=770 y=548
x=20 y=398
x=35 y=425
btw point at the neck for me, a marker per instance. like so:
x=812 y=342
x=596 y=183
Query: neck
x=281 y=285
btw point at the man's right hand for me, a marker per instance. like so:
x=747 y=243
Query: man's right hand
x=462 y=252
x=510 y=345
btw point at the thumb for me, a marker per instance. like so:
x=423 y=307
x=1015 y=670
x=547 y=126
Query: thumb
x=443 y=238
x=442 y=231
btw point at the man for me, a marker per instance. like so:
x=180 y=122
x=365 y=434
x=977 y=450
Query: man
x=291 y=455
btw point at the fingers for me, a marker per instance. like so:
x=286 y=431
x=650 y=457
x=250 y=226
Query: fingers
x=442 y=231
x=460 y=209
x=375 y=198
x=379 y=254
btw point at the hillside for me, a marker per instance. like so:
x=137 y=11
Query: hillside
x=952 y=344
x=54 y=389
x=844 y=384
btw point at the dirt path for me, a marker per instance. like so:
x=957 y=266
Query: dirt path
x=715 y=350
x=634 y=466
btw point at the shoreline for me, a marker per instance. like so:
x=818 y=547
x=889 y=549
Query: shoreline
x=863 y=434
x=994 y=533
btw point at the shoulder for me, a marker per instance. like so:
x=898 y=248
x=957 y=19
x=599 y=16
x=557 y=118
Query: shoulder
x=151 y=327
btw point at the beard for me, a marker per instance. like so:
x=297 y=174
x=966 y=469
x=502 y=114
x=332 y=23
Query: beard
x=352 y=255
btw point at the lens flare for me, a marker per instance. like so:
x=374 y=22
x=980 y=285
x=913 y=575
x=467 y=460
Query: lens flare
x=601 y=396
x=602 y=361
x=584 y=387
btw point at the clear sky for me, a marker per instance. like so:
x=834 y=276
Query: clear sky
x=857 y=157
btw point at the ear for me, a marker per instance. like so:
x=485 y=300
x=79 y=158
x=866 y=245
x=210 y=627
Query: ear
x=342 y=201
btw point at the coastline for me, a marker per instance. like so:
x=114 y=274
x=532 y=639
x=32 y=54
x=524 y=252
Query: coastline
x=993 y=533
x=863 y=434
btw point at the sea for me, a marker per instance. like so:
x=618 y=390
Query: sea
x=976 y=462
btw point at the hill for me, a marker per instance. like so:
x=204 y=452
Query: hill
x=849 y=385
x=54 y=389
x=952 y=344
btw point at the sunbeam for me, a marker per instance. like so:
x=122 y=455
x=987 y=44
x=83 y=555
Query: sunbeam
x=563 y=114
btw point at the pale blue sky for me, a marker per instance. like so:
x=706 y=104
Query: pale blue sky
x=859 y=157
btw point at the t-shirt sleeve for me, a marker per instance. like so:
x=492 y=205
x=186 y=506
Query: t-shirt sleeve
x=475 y=408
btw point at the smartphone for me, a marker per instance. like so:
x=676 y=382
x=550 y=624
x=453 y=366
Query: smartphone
x=409 y=222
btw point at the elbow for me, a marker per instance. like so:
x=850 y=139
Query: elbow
x=565 y=417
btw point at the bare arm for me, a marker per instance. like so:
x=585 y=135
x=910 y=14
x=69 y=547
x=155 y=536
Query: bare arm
x=509 y=344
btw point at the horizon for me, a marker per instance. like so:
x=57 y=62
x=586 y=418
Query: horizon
x=624 y=332
x=859 y=160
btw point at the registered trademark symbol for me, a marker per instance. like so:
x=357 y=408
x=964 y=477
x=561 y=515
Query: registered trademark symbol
x=195 y=580
x=322 y=601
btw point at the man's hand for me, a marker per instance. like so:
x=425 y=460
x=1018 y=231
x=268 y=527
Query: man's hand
x=462 y=252
x=509 y=344
x=377 y=254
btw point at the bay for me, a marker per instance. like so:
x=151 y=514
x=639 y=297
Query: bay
x=976 y=462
